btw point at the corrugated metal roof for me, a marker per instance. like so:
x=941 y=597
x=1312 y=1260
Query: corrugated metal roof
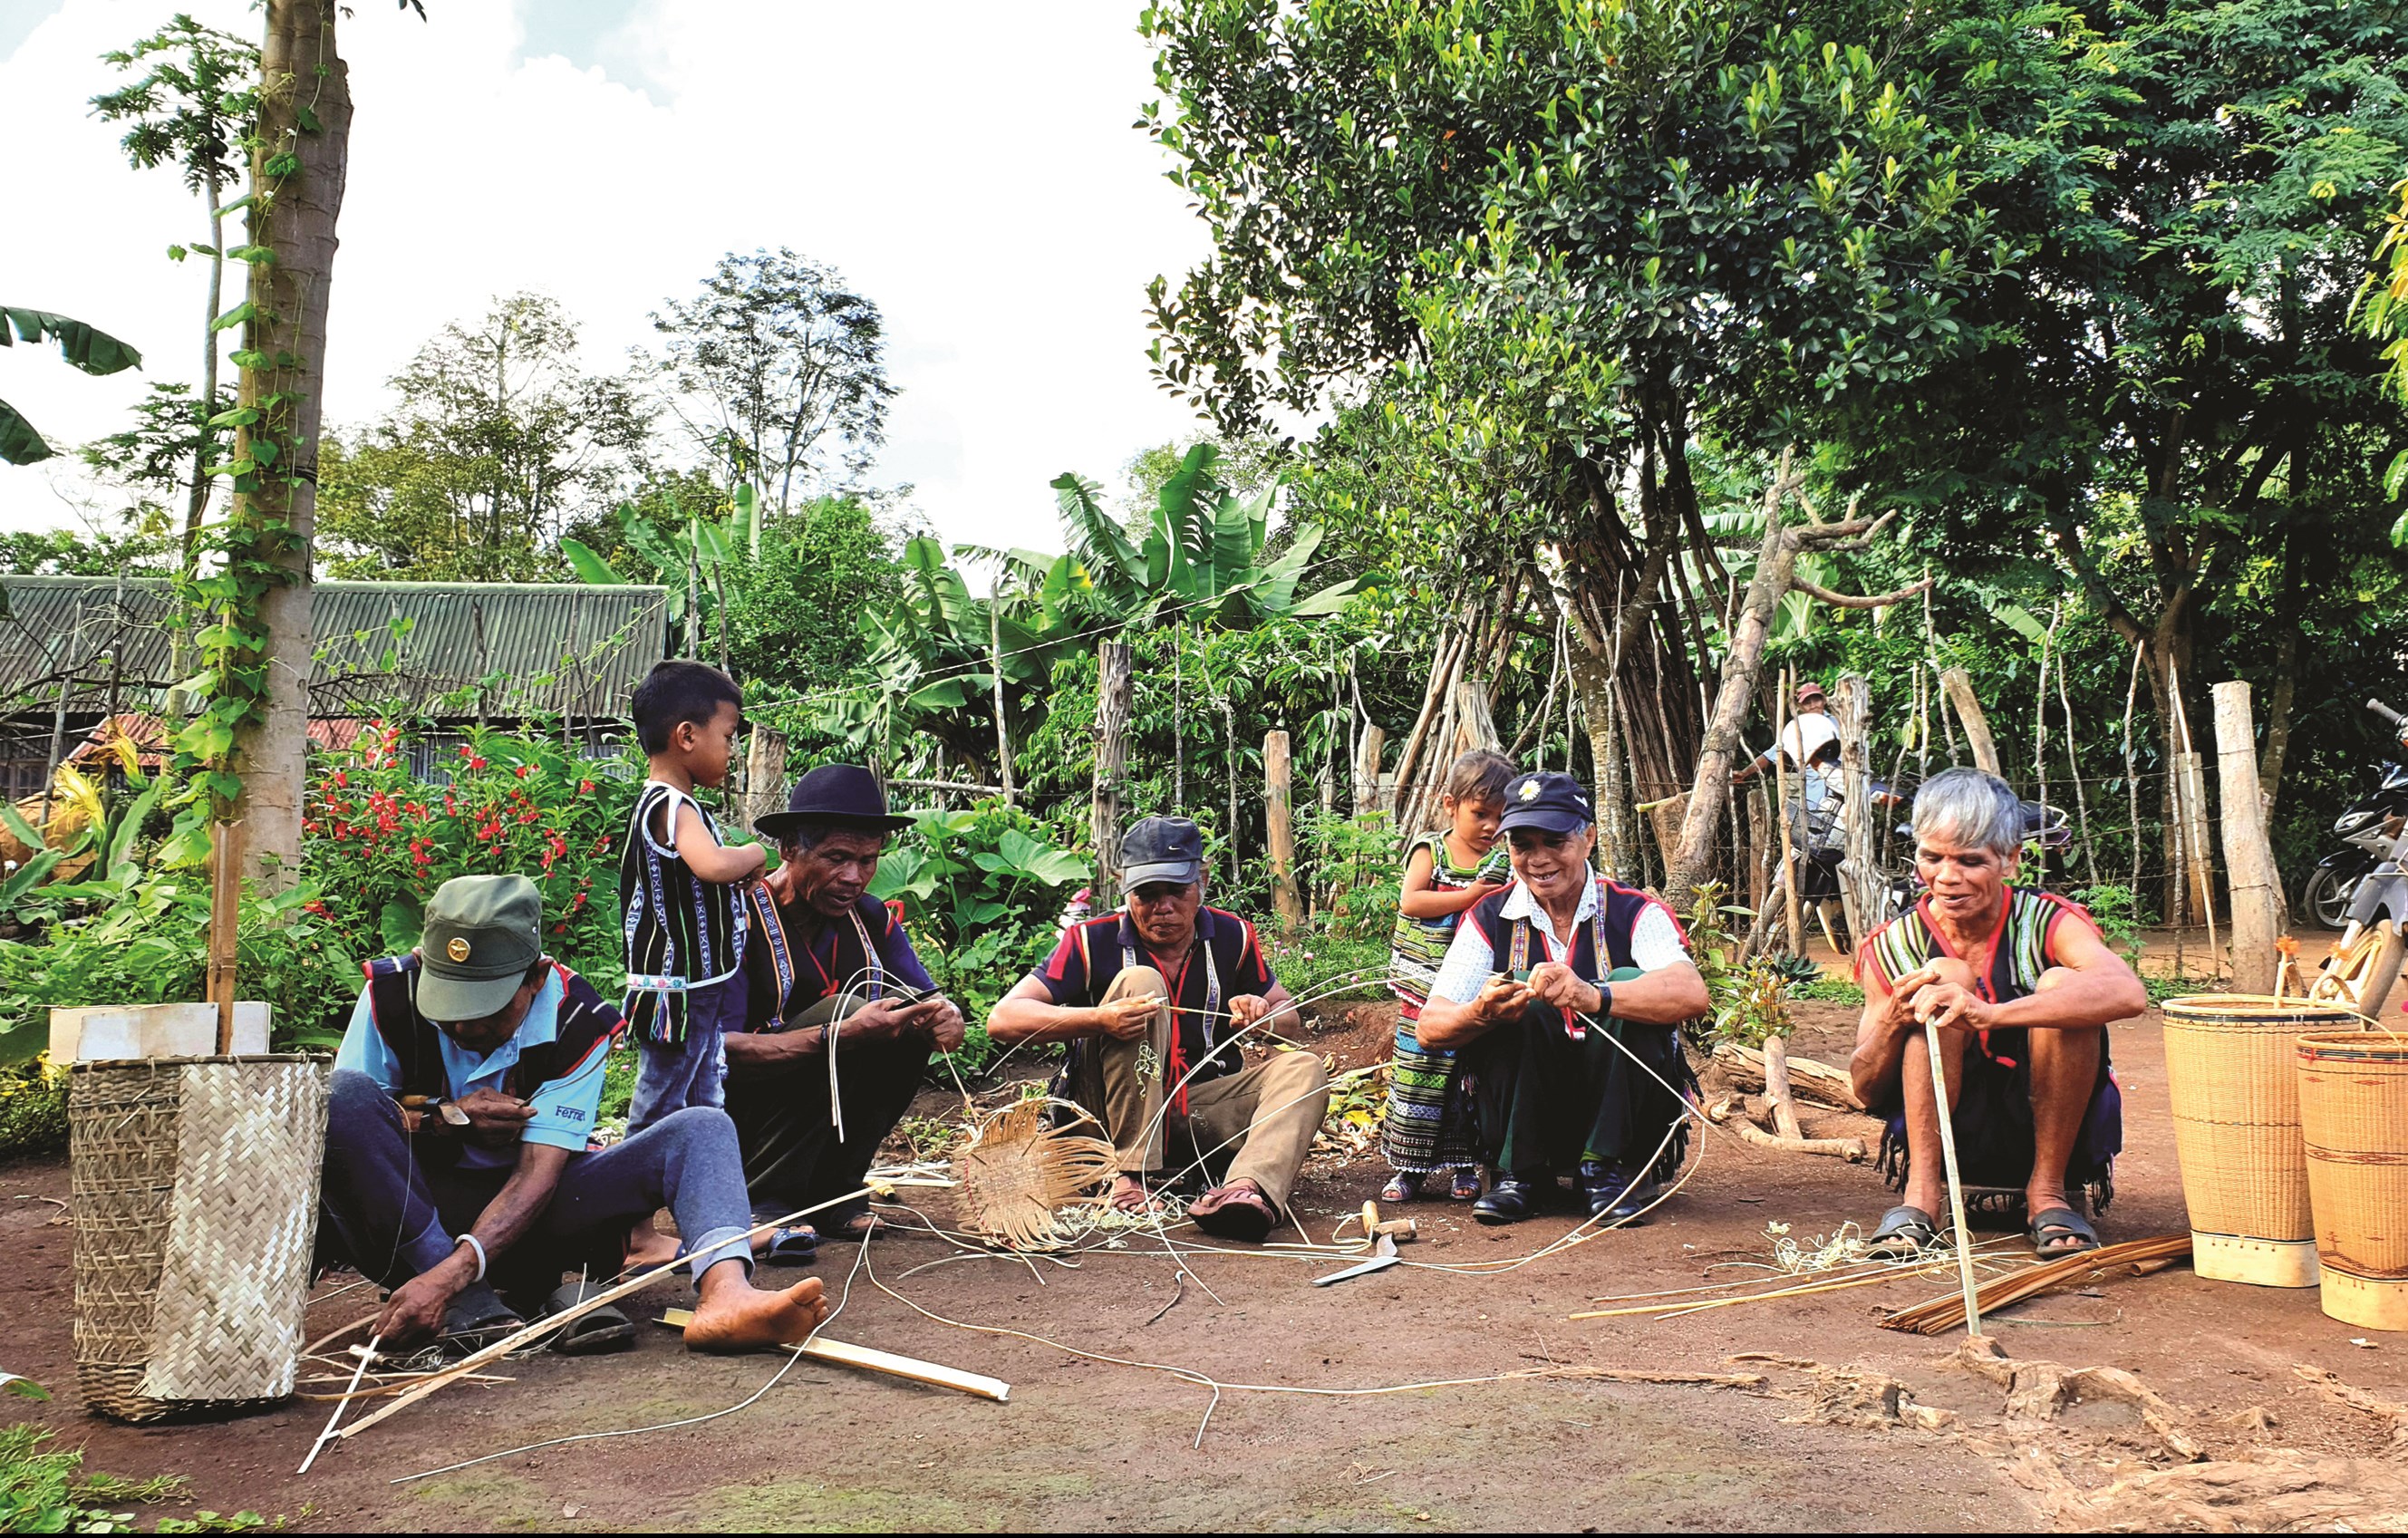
x=560 y=649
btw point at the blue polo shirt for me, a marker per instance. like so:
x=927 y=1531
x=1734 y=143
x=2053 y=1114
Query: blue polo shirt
x=565 y=1109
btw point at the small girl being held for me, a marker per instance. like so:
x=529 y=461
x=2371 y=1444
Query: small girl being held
x=1428 y=1125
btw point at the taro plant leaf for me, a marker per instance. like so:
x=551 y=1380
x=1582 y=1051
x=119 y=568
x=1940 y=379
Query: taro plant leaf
x=398 y=925
x=903 y=872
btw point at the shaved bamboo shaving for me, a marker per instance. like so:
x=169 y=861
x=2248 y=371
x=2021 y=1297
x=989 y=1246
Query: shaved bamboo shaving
x=1020 y=1170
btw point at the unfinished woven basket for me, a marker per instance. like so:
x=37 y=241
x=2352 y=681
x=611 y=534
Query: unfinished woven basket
x=2354 y=1117
x=195 y=1207
x=2235 y=1089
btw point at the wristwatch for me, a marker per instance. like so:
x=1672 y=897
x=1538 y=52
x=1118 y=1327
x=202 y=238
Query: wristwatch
x=1604 y=998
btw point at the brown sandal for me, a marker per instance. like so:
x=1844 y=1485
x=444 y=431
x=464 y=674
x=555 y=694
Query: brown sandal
x=1239 y=1211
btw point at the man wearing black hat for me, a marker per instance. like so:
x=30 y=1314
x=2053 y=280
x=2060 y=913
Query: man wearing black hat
x=1563 y=993
x=830 y=969
x=458 y=1157
x=1153 y=999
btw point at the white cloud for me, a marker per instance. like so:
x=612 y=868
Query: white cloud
x=969 y=167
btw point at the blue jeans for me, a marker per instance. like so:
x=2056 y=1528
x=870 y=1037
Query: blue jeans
x=672 y=1075
x=392 y=1215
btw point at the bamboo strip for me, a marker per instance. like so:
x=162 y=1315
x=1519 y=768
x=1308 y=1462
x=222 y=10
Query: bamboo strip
x=870 y=1360
x=1941 y=1315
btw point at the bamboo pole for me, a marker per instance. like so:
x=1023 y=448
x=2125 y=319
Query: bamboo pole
x=225 y=911
x=2132 y=778
x=1277 y=819
x=2194 y=785
x=1955 y=1183
x=1793 y=912
x=2073 y=770
x=870 y=1360
x=2248 y=858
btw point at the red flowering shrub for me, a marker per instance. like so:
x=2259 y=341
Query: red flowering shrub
x=379 y=840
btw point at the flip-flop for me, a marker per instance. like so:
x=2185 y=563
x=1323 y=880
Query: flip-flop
x=856 y=1227
x=1241 y=1212
x=1902 y=1232
x=592 y=1333
x=2060 y=1222
x=796 y=1247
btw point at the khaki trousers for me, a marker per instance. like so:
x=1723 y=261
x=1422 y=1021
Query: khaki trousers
x=1262 y=1118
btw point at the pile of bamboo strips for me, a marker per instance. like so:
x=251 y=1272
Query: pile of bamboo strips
x=1942 y=1315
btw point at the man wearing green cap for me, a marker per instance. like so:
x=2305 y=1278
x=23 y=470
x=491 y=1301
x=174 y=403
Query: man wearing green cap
x=457 y=1158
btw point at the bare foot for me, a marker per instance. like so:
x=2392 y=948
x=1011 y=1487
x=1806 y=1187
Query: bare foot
x=1129 y=1195
x=745 y=1318
x=648 y=1247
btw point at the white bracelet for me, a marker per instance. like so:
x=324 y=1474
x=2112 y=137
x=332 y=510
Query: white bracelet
x=475 y=1244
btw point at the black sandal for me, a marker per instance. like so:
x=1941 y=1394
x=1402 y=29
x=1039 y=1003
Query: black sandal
x=1902 y=1233
x=2047 y=1231
x=796 y=1246
x=592 y=1333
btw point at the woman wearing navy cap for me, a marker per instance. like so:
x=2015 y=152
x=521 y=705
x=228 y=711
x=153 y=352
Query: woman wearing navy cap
x=1562 y=992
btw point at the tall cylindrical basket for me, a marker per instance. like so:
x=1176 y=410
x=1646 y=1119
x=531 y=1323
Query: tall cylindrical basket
x=2354 y=1116
x=2235 y=1088
x=195 y=1207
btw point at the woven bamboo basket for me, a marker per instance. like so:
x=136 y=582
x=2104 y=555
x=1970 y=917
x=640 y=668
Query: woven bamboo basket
x=195 y=1207
x=2235 y=1087
x=2354 y=1116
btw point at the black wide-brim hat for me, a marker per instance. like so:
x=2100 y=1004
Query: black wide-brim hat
x=844 y=794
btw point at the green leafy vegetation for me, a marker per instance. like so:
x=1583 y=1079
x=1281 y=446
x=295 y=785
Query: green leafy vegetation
x=45 y=1489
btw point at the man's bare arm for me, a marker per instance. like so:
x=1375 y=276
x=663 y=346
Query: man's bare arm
x=2094 y=987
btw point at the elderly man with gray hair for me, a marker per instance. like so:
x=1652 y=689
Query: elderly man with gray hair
x=2021 y=987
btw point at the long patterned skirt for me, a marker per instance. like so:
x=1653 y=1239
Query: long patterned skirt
x=1428 y=1127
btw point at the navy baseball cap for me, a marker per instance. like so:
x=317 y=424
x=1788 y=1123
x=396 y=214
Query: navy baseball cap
x=1161 y=849
x=1548 y=801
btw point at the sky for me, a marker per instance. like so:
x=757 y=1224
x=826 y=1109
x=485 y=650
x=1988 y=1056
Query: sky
x=973 y=167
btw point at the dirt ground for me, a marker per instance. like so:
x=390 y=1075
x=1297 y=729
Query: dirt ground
x=1821 y=1444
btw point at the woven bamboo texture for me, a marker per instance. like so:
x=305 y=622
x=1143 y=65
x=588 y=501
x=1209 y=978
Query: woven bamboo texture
x=194 y=1185
x=2235 y=1088
x=2354 y=1116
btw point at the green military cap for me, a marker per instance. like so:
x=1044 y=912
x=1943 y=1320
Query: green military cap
x=482 y=935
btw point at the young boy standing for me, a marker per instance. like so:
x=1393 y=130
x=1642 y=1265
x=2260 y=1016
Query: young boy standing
x=678 y=889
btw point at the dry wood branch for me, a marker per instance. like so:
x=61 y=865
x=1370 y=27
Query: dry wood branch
x=1776 y=1089
x=1808 y=1078
x=1726 y=1112
x=1696 y=1380
x=1853 y=601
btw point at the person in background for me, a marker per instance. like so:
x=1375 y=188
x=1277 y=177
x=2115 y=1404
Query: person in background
x=457 y=1166
x=678 y=889
x=1562 y=994
x=1428 y=1130
x=1152 y=998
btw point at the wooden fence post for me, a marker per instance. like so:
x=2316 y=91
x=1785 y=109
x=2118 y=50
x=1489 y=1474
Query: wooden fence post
x=1859 y=873
x=1276 y=816
x=1960 y=684
x=2248 y=860
x=1111 y=759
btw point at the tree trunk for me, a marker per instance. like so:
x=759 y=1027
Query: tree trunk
x=2248 y=857
x=1774 y=562
x=2278 y=716
x=1367 y=769
x=1959 y=686
x=764 y=773
x=305 y=118
x=1112 y=758
x=1002 y=721
x=1859 y=873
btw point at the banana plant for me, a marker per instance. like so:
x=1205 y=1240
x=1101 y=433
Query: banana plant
x=93 y=351
x=1201 y=556
x=100 y=855
x=690 y=562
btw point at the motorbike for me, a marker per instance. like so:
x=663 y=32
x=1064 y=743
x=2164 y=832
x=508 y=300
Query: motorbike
x=2367 y=830
x=2365 y=961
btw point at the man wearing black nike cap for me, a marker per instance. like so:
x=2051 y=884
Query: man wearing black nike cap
x=1563 y=993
